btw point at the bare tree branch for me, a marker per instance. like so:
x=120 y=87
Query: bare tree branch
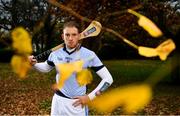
x=89 y=20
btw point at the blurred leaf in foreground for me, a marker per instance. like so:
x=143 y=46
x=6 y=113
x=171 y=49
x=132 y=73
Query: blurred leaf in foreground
x=66 y=70
x=131 y=98
x=23 y=48
x=84 y=77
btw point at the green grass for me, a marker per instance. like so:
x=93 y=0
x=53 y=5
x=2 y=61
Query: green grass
x=130 y=71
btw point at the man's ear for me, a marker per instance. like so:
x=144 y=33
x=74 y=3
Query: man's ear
x=79 y=36
x=62 y=36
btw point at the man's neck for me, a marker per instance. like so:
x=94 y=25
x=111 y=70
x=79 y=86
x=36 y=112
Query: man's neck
x=70 y=49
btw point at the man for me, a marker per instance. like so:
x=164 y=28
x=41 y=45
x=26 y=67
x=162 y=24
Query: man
x=71 y=98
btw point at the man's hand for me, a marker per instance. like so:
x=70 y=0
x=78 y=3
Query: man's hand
x=55 y=87
x=81 y=100
x=32 y=60
x=98 y=93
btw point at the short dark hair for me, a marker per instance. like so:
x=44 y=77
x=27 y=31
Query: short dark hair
x=72 y=24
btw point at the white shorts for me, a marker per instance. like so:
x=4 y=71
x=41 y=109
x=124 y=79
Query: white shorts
x=62 y=106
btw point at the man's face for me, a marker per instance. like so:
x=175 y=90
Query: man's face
x=71 y=36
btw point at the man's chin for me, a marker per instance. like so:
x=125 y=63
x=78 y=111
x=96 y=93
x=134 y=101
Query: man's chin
x=71 y=47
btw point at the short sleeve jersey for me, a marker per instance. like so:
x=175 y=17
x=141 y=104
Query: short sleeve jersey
x=71 y=87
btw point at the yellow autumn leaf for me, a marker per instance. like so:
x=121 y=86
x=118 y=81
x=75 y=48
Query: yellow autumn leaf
x=66 y=70
x=131 y=98
x=165 y=48
x=147 y=24
x=20 y=65
x=147 y=52
x=84 y=77
x=78 y=65
x=21 y=41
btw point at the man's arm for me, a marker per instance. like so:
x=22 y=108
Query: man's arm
x=106 y=81
x=43 y=66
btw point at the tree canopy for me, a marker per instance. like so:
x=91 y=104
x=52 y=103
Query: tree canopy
x=44 y=21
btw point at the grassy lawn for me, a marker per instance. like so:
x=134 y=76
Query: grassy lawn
x=33 y=94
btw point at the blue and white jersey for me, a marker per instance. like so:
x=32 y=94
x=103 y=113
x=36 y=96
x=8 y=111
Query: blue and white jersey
x=71 y=88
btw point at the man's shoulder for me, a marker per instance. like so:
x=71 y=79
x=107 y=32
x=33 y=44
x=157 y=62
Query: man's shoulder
x=57 y=51
x=84 y=49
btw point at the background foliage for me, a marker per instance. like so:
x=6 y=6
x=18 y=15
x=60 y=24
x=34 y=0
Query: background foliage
x=45 y=21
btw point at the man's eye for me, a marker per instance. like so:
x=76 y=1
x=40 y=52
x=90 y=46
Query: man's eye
x=74 y=34
x=67 y=35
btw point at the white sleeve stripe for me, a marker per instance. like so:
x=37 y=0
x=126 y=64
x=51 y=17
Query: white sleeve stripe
x=43 y=67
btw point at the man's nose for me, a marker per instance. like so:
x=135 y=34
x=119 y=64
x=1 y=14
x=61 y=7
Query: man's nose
x=70 y=37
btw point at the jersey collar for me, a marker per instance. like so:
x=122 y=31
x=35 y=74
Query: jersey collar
x=70 y=52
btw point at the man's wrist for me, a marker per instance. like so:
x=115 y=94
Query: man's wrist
x=91 y=96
